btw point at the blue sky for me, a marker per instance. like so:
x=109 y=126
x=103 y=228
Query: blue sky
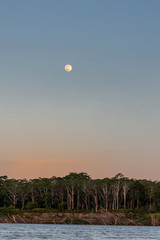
x=102 y=117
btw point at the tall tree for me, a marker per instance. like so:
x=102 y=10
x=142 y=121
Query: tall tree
x=12 y=190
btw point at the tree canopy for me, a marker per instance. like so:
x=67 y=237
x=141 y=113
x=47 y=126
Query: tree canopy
x=78 y=191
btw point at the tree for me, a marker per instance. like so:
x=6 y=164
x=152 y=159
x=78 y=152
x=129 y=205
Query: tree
x=23 y=191
x=115 y=190
x=105 y=191
x=125 y=186
x=79 y=191
x=95 y=184
x=12 y=190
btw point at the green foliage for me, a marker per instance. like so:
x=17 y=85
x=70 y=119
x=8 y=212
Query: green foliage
x=76 y=220
x=68 y=220
x=78 y=192
x=62 y=206
x=40 y=210
x=9 y=211
x=31 y=205
x=4 y=211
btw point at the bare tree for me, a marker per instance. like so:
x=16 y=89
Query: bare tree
x=125 y=187
x=85 y=193
x=105 y=192
x=94 y=192
x=12 y=190
x=115 y=190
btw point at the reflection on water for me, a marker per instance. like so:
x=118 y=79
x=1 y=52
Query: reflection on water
x=70 y=232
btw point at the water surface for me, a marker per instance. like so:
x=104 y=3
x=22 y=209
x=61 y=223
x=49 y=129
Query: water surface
x=73 y=232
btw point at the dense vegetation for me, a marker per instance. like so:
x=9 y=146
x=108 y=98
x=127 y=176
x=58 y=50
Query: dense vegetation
x=78 y=192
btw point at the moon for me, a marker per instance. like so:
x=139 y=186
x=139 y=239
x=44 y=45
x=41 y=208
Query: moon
x=68 y=68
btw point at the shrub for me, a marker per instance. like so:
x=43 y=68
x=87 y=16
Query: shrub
x=31 y=205
x=40 y=210
x=4 y=211
x=62 y=206
x=68 y=220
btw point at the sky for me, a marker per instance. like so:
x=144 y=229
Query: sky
x=103 y=117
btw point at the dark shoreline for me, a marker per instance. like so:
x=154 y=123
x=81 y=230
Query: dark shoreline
x=83 y=219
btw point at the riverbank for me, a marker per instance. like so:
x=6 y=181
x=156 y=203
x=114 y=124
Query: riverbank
x=83 y=218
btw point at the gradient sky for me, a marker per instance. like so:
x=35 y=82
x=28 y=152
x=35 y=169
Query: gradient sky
x=104 y=116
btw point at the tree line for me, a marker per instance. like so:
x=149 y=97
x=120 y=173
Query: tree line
x=78 y=191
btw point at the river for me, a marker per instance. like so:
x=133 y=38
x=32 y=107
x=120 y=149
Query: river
x=74 y=232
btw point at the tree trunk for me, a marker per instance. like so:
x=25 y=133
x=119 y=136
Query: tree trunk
x=72 y=197
x=78 y=199
x=124 y=196
x=32 y=195
x=150 y=204
x=106 y=204
x=69 y=200
x=14 y=201
x=22 y=203
x=117 y=200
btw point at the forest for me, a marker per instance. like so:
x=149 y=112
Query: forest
x=79 y=192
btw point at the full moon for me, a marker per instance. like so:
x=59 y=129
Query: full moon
x=68 y=68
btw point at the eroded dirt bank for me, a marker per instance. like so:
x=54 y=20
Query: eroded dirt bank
x=81 y=218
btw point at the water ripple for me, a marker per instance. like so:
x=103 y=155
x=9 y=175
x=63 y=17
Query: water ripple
x=73 y=232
